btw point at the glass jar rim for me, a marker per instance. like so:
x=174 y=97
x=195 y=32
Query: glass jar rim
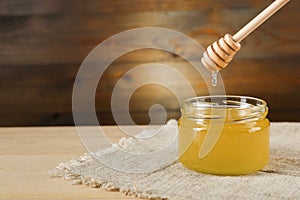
x=230 y=107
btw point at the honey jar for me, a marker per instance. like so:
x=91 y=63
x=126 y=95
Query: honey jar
x=225 y=135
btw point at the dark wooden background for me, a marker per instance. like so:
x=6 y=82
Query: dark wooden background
x=43 y=42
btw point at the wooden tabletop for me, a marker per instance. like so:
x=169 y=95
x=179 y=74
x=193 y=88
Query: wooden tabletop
x=28 y=154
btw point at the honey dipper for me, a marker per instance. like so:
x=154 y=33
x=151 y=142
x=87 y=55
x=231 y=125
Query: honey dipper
x=218 y=55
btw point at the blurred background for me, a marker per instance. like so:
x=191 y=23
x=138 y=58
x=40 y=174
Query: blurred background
x=43 y=43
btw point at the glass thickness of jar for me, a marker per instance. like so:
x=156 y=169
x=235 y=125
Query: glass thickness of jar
x=243 y=143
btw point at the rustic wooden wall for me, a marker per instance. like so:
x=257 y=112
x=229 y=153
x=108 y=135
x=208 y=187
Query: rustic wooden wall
x=42 y=44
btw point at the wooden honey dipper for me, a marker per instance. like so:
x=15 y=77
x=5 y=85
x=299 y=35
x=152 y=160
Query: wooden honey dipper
x=220 y=53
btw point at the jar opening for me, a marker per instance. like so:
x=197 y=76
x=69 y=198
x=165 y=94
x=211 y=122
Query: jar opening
x=230 y=107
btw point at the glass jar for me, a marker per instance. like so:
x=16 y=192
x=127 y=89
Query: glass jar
x=226 y=135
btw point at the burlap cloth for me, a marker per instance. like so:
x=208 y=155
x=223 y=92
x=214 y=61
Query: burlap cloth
x=280 y=179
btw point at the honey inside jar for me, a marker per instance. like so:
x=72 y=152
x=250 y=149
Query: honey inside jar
x=239 y=144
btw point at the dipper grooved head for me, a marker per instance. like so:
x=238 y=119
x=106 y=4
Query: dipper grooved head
x=218 y=55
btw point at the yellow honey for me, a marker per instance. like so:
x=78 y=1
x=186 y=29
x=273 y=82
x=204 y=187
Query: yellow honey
x=239 y=144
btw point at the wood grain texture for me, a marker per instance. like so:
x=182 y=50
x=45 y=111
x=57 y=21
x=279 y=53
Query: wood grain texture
x=42 y=45
x=53 y=7
x=28 y=154
x=41 y=40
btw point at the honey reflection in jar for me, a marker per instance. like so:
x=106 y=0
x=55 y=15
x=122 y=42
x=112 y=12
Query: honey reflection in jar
x=243 y=142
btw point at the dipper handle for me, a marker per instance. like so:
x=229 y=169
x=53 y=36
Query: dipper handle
x=220 y=53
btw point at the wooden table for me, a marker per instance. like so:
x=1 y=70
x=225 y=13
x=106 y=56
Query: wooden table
x=27 y=155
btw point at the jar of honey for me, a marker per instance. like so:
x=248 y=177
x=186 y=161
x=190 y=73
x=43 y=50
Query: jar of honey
x=226 y=135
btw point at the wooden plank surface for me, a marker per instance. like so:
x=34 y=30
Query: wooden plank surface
x=50 y=7
x=67 y=38
x=42 y=45
x=27 y=155
x=46 y=97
